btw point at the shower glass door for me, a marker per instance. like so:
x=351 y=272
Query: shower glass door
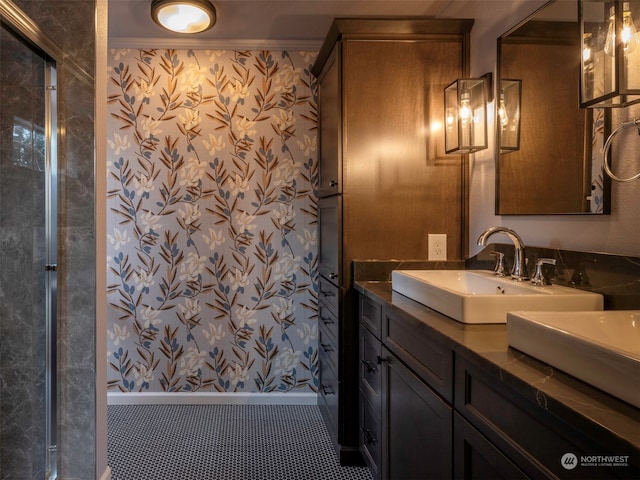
x=27 y=260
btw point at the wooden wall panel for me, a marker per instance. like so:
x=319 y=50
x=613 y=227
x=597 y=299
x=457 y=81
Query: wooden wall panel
x=525 y=175
x=401 y=186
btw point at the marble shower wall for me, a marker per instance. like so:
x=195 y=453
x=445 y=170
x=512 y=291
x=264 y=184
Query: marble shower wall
x=70 y=25
x=22 y=286
x=212 y=245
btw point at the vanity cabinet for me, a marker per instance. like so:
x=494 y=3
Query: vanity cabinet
x=384 y=180
x=527 y=433
x=430 y=408
x=406 y=425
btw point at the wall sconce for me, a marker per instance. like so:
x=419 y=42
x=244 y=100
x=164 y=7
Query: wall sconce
x=509 y=115
x=610 y=57
x=465 y=107
x=184 y=16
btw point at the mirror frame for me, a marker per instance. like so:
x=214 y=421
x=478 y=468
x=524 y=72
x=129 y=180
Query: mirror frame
x=606 y=181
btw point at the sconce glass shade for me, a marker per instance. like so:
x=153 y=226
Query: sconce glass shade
x=610 y=57
x=184 y=16
x=465 y=107
x=508 y=106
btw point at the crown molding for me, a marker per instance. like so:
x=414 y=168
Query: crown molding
x=213 y=44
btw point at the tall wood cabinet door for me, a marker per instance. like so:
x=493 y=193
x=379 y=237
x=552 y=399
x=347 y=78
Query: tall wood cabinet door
x=330 y=226
x=330 y=100
x=417 y=433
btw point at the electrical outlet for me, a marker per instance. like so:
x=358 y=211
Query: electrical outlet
x=437 y=247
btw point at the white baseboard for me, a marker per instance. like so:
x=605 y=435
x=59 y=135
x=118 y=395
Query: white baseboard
x=210 y=398
x=106 y=475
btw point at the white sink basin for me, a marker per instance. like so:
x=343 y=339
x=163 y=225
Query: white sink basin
x=477 y=296
x=600 y=348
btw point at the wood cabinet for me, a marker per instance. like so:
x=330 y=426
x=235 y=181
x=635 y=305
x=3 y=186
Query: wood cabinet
x=528 y=434
x=431 y=409
x=330 y=175
x=416 y=425
x=384 y=180
x=406 y=426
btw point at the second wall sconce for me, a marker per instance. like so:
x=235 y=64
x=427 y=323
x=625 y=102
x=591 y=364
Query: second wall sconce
x=465 y=107
x=610 y=53
x=509 y=115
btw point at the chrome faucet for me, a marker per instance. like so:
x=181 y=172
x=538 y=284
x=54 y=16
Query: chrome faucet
x=519 y=269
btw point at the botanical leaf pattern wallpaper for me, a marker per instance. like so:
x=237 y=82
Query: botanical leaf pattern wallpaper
x=212 y=238
x=596 y=204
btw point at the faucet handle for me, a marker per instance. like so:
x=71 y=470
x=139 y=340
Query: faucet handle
x=538 y=277
x=499 y=270
x=579 y=276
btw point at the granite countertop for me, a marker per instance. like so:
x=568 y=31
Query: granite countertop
x=568 y=398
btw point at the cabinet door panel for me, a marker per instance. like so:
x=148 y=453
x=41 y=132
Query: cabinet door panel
x=371 y=315
x=328 y=398
x=370 y=438
x=370 y=368
x=418 y=432
x=330 y=222
x=330 y=172
x=474 y=457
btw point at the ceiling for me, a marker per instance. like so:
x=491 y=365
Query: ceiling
x=268 y=23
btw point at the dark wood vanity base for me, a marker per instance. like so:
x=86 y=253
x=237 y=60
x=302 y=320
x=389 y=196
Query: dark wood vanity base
x=454 y=401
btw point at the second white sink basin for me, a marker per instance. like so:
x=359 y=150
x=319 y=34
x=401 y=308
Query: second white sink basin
x=477 y=296
x=600 y=348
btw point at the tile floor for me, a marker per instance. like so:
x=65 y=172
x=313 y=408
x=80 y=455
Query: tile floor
x=222 y=442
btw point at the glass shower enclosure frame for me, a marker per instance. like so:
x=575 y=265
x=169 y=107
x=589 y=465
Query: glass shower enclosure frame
x=28 y=236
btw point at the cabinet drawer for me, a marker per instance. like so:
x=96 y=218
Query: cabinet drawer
x=328 y=400
x=529 y=435
x=329 y=296
x=328 y=350
x=370 y=438
x=371 y=315
x=328 y=322
x=412 y=342
x=330 y=225
x=370 y=369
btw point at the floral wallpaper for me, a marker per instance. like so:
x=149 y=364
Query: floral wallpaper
x=596 y=202
x=212 y=258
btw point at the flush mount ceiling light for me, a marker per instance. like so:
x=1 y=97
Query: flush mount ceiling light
x=184 y=16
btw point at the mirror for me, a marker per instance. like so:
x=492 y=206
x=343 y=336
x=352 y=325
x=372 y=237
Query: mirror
x=550 y=156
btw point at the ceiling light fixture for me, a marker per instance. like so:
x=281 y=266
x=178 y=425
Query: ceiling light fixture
x=184 y=16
